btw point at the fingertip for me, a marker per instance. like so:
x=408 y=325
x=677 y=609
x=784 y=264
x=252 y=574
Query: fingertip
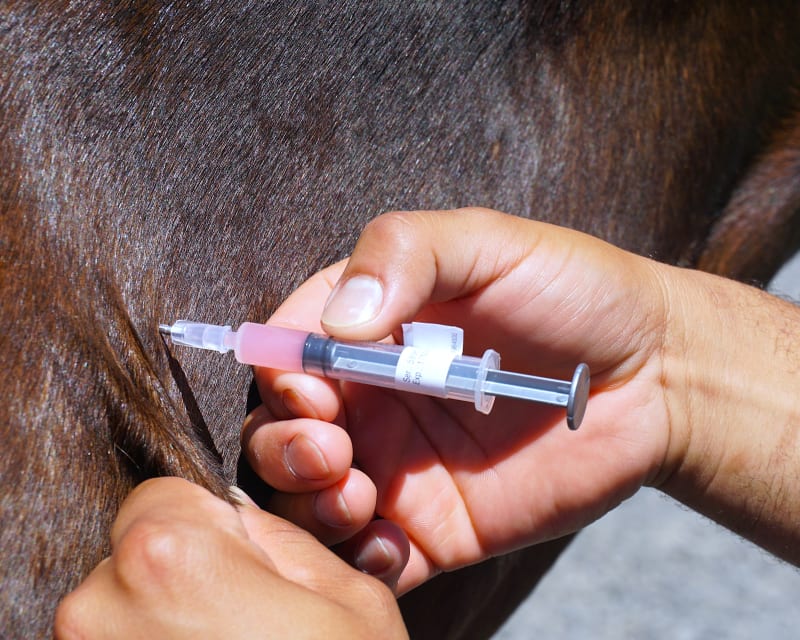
x=240 y=498
x=254 y=421
x=296 y=404
x=382 y=551
x=332 y=514
x=400 y=265
x=381 y=280
x=305 y=459
x=331 y=509
x=348 y=504
x=298 y=395
x=355 y=301
x=296 y=455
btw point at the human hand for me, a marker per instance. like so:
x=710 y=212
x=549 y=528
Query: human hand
x=465 y=486
x=185 y=564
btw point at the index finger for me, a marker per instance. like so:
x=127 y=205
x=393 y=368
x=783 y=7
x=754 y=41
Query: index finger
x=299 y=395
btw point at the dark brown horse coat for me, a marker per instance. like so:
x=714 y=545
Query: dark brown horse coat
x=200 y=159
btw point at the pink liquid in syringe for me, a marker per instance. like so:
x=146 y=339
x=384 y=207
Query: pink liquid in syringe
x=267 y=346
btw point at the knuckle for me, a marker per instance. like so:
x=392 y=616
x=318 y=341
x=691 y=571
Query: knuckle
x=153 y=553
x=373 y=593
x=69 y=623
x=395 y=227
x=409 y=233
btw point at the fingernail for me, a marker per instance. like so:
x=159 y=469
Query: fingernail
x=373 y=557
x=331 y=509
x=355 y=301
x=297 y=405
x=258 y=415
x=240 y=497
x=305 y=459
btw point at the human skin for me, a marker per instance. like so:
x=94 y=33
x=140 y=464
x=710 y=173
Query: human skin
x=693 y=391
x=186 y=564
x=694 y=381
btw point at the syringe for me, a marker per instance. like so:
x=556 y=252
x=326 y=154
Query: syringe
x=426 y=365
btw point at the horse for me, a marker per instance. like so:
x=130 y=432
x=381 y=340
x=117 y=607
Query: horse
x=165 y=159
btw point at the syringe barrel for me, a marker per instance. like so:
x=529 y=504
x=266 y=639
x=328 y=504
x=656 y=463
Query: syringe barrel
x=376 y=364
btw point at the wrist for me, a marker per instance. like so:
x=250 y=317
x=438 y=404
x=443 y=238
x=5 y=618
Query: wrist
x=730 y=381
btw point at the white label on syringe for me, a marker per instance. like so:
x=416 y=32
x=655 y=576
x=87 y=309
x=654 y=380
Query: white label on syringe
x=423 y=370
x=425 y=361
x=434 y=336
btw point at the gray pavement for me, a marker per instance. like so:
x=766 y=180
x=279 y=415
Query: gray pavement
x=654 y=569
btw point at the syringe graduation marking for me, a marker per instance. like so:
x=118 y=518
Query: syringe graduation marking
x=454 y=375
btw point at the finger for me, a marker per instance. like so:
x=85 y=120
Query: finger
x=296 y=455
x=297 y=395
x=434 y=256
x=302 y=309
x=296 y=554
x=333 y=514
x=381 y=550
x=293 y=395
x=521 y=287
x=164 y=577
x=302 y=560
x=91 y=610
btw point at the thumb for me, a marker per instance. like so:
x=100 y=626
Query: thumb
x=404 y=261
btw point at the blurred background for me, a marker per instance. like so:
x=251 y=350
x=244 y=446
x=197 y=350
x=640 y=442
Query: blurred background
x=653 y=569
